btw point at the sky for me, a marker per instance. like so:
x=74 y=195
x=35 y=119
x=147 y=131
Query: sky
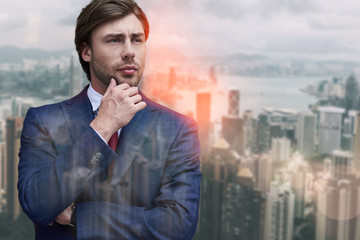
x=316 y=29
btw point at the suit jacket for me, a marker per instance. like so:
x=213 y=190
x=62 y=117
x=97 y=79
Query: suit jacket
x=155 y=185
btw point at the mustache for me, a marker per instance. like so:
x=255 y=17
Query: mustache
x=125 y=63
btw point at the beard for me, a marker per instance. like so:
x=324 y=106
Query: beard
x=105 y=72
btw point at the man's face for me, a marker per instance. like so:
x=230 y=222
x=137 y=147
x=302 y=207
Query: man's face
x=117 y=51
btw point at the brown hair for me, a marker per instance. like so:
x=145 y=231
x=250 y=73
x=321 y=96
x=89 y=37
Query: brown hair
x=98 y=12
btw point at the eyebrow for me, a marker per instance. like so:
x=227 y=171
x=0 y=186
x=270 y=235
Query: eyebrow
x=122 y=35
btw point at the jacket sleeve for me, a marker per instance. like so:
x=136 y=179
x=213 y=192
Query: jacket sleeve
x=49 y=179
x=174 y=214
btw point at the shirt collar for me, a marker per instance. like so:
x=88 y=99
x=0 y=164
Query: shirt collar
x=94 y=97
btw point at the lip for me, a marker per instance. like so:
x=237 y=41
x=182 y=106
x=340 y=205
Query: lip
x=128 y=69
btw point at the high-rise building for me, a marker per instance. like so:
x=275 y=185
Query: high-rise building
x=234 y=103
x=298 y=173
x=20 y=106
x=263 y=135
x=329 y=129
x=342 y=162
x=243 y=209
x=219 y=170
x=233 y=132
x=280 y=149
x=279 y=222
x=282 y=122
x=13 y=132
x=249 y=134
x=232 y=125
x=356 y=147
x=337 y=207
x=263 y=172
x=306 y=130
x=203 y=106
x=3 y=167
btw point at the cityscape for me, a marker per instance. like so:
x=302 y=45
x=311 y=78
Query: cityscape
x=271 y=172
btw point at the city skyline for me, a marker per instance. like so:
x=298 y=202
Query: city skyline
x=280 y=29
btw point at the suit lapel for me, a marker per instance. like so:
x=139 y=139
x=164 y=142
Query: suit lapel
x=78 y=114
x=132 y=138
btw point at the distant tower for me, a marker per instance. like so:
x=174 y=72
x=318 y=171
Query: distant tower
x=279 y=222
x=357 y=143
x=243 y=215
x=330 y=129
x=232 y=125
x=13 y=131
x=342 y=162
x=306 y=133
x=263 y=135
x=263 y=172
x=220 y=170
x=234 y=103
x=280 y=149
x=203 y=106
x=338 y=201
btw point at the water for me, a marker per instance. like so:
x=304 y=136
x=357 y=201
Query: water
x=255 y=94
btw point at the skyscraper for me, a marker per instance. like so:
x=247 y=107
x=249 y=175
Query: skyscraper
x=342 y=162
x=356 y=148
x=262 y=169
x=280 y=149
x=234 y=103
x=13 y=131
x=306 y=130
x=243 y=209
x=329 y=129
x=2 y=165
x=218 y=171
x=279 y=222
x=232 y=125
x=263 y=135
x=298 y=173
x=203 y=106
x=337 y=207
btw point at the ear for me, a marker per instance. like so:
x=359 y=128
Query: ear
x=85 y=52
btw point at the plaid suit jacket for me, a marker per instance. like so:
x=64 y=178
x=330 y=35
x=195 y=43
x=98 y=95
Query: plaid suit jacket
x=155 y=185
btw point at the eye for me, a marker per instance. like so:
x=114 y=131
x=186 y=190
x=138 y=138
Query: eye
x=138 y=40
x=114 y=40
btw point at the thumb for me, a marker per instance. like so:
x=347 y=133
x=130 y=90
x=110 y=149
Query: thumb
x=112 y=84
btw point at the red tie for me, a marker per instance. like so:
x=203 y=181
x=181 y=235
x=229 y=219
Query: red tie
x=112 y=144
x=113 y=141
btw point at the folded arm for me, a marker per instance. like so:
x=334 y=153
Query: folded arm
x=51 y=178
x=174 y=213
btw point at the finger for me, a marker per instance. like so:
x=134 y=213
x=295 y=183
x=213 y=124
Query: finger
x=132 y=91
x=136 y=98
x=140 y=106
x=123 y=86
x=112 y=84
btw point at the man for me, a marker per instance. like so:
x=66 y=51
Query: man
x=145 y=185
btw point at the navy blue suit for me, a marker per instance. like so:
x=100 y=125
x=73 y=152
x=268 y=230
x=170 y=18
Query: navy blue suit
x=154 y=189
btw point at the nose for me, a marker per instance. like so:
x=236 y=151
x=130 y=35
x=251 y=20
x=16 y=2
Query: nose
x=128 y=51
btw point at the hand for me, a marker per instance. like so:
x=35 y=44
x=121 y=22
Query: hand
x=118 y=106
x=64 y=218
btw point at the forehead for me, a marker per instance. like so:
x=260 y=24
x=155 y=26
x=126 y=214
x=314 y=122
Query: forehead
x=126 y=25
